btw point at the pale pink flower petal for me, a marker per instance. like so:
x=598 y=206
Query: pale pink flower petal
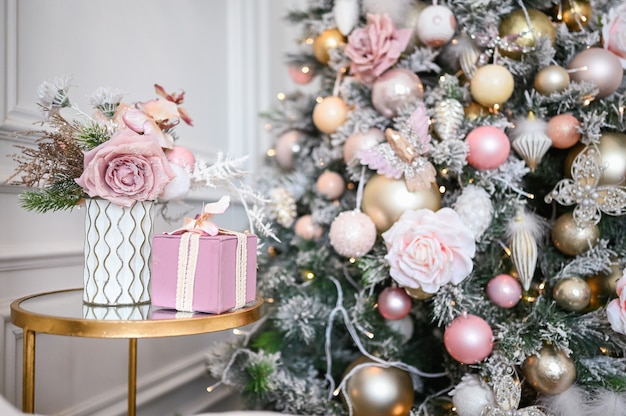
x=427 y=249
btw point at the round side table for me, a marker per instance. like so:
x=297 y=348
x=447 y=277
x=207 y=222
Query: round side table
x=64 y=313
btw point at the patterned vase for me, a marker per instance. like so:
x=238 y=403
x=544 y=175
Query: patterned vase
x=118 y=244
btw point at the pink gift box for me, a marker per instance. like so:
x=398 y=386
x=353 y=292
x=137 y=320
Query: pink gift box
x=215 y=281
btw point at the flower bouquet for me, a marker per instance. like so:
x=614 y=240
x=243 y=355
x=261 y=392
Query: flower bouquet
x=119 y=162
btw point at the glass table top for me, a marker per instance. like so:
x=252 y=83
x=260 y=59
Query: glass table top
x=64 y=313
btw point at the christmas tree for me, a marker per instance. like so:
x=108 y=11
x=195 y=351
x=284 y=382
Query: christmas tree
x=447 y=189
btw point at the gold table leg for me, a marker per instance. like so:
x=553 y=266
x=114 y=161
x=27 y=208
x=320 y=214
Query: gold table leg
x=132 y=376
x=28 y=372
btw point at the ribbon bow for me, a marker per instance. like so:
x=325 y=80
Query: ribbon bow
x=200 y=224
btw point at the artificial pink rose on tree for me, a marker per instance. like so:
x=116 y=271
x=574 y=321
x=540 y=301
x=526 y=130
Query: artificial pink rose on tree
x=428 y=249
x=614 y=32
x=127 y=168
x=616 y=309
x=376 y=47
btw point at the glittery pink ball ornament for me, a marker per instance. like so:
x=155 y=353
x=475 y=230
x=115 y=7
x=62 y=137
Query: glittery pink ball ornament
x=330 y=184
x=352 y=234
x=361 y=141
x=489 y=147
x=181 y=156
x=300 y=74
x=308 y=229
x=394 y=303
x=468 y=339
x=504 y=290
x=287 y=146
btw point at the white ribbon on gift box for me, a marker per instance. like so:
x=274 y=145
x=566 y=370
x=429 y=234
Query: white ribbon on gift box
x=188 y=250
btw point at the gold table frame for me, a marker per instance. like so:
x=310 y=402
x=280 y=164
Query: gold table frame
x=49 y=323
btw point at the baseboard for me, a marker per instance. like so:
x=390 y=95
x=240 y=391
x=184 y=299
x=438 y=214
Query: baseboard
x=179 y=389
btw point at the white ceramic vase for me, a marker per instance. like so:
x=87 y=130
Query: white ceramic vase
x=118 y=244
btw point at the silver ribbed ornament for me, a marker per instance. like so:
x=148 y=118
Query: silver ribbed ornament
x=448 y=118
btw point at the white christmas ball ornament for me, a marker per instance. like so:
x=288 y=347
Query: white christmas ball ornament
x=435 y=26
x=404 y=327
x=178 y=187
x=471 y=396
x=352 y=234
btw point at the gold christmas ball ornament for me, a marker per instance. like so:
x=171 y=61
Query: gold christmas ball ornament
x=612 y=147
x=574 y=13
x=552 y=78
x=378 y=391
x=492 y=85
x=385 y=199
x=474 y=110
x=329 y=114
x=611 y=280
x=418 y=293
x=326 y=41
x=520 y=35
x=550 y=371
x=572 y=293
x=599 y=293
x=571 y=239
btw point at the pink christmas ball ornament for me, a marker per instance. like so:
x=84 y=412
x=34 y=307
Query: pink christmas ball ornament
x=394 y=303
x=600 y=67
x=331 y=184
x=489 y=147
x=396 y=88
x=352 y=234
x=300 y=74
x=181 y=156
x=308 y=229
x=286 y=148
x=361 y=141
x=504 y=290
x=468 y=339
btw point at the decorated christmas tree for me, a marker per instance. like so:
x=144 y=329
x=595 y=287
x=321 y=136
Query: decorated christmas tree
x=448 y=189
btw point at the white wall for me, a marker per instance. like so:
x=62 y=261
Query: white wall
x=228 y=57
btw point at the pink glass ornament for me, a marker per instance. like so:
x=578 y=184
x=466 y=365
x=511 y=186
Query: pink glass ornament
x=489 y=147
x=394 y=303
x=394 y=89
x=504 y=290
x=352 y=234
x=300 y=74
x=181 y=156
x=286 y=147
x=468 y=339
x=361 y=141
x=307 y=229
x=331 y=184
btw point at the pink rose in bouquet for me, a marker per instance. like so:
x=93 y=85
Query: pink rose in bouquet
x=614 y=32
x=127 y=168
x=376 y=47
x=616 y=309
x=428 y=249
